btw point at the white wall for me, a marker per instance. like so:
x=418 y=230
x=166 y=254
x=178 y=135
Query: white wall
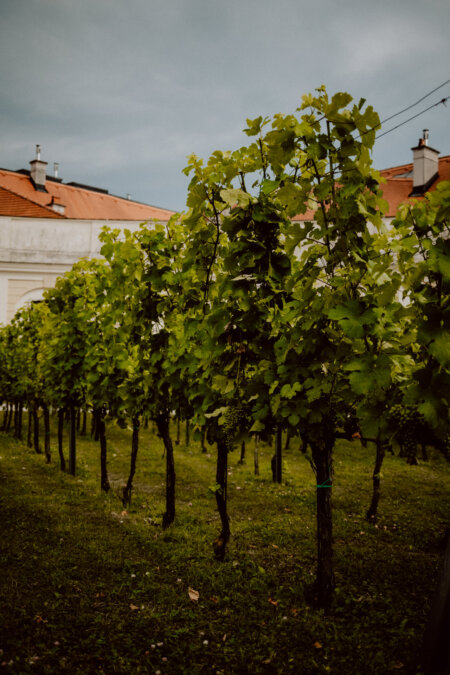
x=35 y=251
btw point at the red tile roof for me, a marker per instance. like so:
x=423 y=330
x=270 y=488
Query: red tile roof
x=18 y=197
x=80 y=203
x=398 y=186
x=15 y=205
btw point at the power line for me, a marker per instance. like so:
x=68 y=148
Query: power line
x=413 y=105
x=434 y=105
x=377 y=126
x=442 y=101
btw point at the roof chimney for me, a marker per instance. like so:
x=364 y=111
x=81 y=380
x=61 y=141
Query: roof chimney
x=55 y=169
x=37 y=172
x=425 y=166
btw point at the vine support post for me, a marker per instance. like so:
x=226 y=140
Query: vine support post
x=126 y=495
x=376 y=480
x=104 y=482
x=62 y=461
x=220 y=544
x=16 y=418
x=5 y=416
x=162 y=423
x=47 y=451
x=84 y=423
x=322 y=452
x=178 y=432
x=37 y=447
x=203 y=439
x=256 y=456
x=72 y=440
x=30 y=427
x=242 y=457
x=9 y=418
x=277 y=459
x=20 y=425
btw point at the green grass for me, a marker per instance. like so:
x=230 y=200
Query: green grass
x=85 y=587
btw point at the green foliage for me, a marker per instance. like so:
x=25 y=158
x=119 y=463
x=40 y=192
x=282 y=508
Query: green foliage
x=270 y=287
x=300 y=318
x=424 y=258
x=245 y=320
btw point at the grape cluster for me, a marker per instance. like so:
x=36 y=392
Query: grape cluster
x=410 y=428
x=235 y=422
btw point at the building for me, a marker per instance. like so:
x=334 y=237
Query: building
x=412 y=181
x=47 y=225
x=409 y=181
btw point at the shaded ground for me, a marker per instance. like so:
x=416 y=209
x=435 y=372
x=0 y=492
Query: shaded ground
x=86 y=587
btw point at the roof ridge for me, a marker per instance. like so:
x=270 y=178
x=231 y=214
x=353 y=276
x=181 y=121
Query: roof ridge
x=91 y=190
x=402 y=166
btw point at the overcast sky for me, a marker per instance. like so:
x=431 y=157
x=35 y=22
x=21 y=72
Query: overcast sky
x=119 y=92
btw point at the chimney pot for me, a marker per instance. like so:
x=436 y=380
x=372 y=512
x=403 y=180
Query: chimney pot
x=425 y=165
x=55 y=169
x=38 y=171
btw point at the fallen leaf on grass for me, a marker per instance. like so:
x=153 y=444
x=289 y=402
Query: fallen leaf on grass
x=317 y=645
x=133 y=607
x=193 y=594
x=273 y=602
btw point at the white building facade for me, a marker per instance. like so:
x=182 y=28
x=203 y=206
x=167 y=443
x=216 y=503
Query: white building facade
x=46 y=226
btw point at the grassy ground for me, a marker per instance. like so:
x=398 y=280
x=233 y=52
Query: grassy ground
x=88 y=587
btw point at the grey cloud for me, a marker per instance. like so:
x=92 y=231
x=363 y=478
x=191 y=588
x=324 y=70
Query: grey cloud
x=120 y=92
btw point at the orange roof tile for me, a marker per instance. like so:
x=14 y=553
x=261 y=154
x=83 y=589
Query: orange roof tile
x=15 y=205
x=80 y=203
x=398 y=186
